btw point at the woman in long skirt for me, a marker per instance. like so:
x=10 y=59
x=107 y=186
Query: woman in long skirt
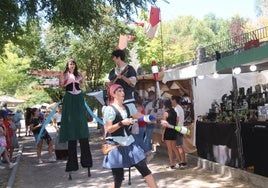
x=73 y=121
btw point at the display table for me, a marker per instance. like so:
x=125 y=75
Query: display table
x=217 y=142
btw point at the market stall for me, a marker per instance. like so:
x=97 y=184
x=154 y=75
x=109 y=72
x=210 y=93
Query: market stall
x=230 y=108
x=232 y=112
x=147 y=83
x=216 y=141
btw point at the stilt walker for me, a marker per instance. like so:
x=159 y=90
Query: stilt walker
x=74 y=121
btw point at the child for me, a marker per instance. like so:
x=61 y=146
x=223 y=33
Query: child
x=3 y=143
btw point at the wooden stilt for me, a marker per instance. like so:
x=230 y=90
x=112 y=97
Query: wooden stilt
x=129 y=176
x=88 y=172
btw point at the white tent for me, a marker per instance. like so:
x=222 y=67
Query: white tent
x=10 y=100
x=189 y=71
x=209 y=89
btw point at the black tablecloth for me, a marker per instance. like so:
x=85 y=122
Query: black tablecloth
x=254 y=138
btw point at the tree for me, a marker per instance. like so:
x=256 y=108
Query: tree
x=91 y=48
x=262 y=12
x=75 y=14
x=261 y=7
x=13 y=70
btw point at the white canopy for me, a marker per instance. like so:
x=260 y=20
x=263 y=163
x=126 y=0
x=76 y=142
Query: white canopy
x=190 y=71
x=209 y=89
x=10 y=100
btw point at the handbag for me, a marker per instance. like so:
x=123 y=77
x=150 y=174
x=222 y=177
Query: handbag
x=106 y=148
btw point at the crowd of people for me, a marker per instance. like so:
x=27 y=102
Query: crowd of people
x=10 y=127
x=129 y=123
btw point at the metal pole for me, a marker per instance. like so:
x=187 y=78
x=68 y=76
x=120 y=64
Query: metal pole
x=162 y=45
x=241 y=162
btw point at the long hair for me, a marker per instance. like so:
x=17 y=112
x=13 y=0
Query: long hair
x=76 y=73
x=29 y=114
x=167 y=103
x=176 y=98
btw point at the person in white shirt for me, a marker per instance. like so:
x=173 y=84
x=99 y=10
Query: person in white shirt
x=176 y=101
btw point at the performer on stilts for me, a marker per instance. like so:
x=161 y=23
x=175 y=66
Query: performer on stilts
x=74 y=121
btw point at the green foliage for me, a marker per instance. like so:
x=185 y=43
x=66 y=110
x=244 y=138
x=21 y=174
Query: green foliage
x=50 y=32
x=261 y=7
x=12 y=70
x=75 y=14
x=10 y=26
x=91 y=48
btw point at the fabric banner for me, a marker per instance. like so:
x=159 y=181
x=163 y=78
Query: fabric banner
x=154 y=16
x=98 y=95
x=123 y=40
x=151 y=31
x=46 y=122
x=93 y=115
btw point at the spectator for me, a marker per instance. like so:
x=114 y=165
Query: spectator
x=27 y=118
x=35 y=126
x=139 y=136
x=17 y=120
x=169 y=135
x=149 y=110
x=61 y=148
x=8 y=133
x=4 y=107
x=3 y=144
x=13 y=137
x=176 y=103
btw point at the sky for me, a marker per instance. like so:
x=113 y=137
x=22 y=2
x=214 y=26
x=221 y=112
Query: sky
x=198 y=8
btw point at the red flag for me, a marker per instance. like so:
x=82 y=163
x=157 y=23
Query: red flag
x=154 y=16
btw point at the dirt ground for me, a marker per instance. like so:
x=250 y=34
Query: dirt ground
x=30 y=174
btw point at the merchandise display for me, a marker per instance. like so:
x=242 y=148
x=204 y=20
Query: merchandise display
x=251 y=106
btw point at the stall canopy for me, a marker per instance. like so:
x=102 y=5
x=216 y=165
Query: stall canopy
x=190 y=71
x=10 y=100
x=212 y=89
